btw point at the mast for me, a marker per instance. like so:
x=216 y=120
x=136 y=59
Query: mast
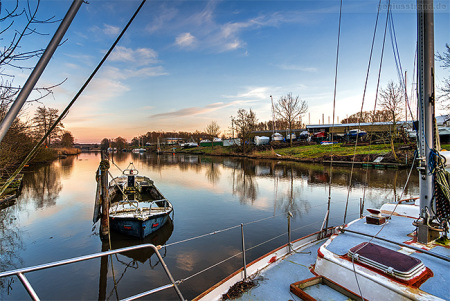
x=273 y=116
x=426 y=105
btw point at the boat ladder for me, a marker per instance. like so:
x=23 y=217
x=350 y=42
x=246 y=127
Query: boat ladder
x=20 y=272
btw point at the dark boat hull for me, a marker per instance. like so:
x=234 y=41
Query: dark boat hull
x=136 y=227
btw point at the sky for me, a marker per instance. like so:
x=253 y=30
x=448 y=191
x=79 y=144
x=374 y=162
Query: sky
x=183 y=64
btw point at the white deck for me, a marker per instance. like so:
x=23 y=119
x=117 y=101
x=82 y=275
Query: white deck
x=274 y=280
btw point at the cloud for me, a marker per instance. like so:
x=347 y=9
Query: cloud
x=185 y=40
x=108 y=30
x=139 y=56
x=297 y=68
x=254 y=92
x=202 y=29
x=127 y=73
x=164 y=16
x=111 y=30
x=192 y=111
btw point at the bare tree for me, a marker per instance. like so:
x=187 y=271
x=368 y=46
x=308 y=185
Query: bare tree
x=445 y=59
x=244 y=123
x=212 y=130
x=391 y=100
x=43 y=119
x=19 y=26
x=368 y=116
x=19 y=22
x=289 y=109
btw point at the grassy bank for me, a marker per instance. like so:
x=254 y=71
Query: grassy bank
x=318 y=153
x=67 y=150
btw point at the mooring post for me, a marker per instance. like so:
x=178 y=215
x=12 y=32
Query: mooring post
x=243 y=252
x=289 y=231
x=103 y=170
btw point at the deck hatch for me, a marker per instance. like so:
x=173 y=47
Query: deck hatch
x=391 y=262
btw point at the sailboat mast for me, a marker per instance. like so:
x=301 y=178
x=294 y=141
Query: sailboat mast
x=273 y=116
x=425 y=62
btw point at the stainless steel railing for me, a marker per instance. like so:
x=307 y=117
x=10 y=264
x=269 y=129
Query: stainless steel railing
x=20 y=272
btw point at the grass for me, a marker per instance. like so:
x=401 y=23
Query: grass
x=319 y=151
x=445 y=147
x=306 y=152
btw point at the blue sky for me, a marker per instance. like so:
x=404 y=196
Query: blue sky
x=183 y=64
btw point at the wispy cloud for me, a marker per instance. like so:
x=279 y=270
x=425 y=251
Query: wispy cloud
x=139 y=56
x=164 y=16
x=185 y=40
x=259 y=93
x=191 y=111
x=106 y=29
x=297 y=68
x=204 y=30
x=111 y=30
x=128 y=73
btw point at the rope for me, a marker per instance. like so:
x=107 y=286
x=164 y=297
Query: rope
x=200 y=236
x=365 y=88
x=374 y=110
x=334 y=112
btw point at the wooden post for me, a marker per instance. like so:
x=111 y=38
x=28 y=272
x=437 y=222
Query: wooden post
x=104 y=167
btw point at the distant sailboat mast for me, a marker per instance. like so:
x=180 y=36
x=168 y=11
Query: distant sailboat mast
x=273 y=116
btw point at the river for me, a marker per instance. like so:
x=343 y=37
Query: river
x=52 y=220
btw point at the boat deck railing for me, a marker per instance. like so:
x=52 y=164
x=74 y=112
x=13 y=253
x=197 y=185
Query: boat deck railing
x=20 y=273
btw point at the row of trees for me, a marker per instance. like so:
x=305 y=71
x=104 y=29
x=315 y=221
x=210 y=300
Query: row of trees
x=22 y=22
x=391 y=101
x=288 y=109
x=23 y=136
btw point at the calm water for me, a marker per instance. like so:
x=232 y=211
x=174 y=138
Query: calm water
x=52 y=220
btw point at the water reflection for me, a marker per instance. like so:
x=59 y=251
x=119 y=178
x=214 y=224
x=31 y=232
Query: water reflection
x=43 y=186
x=129 y=260
x=10 y=244
x=52 y=219
x=67 y=164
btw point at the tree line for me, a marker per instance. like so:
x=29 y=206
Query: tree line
x=21 y=24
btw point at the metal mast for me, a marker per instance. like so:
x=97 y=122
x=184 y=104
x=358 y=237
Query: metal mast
x=273 y=116
x=425 y=62
x=37 y=71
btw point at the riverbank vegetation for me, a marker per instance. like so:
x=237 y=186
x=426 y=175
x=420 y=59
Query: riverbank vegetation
x=316 y=152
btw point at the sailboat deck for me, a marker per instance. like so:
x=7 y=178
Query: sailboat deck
x=399 y=229
x=274 y=282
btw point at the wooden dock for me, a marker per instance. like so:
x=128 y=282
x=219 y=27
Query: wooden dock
x=377 y=165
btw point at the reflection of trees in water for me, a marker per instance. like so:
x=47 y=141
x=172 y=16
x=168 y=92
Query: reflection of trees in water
x=42 y=186
x=67 y=164
x=290 y=201
x=378 y=184
x=244 y=183
x=212 y=173
x=10 y=244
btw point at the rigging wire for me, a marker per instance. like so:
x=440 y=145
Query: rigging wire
x=362 y=106
x=359 y=120
x=398 y=65
x=66 y=110
x=334 y=113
